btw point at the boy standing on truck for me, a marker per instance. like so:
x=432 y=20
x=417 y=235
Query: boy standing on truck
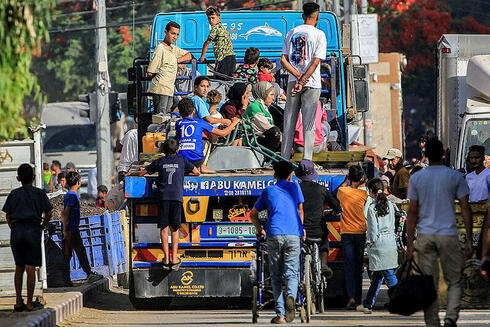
x=305 y=46
x=24 y=209
x=284 y=228
x=171 y=169
x=222 y=46
x=70 y=216
x=189 y=134
x=163 y=69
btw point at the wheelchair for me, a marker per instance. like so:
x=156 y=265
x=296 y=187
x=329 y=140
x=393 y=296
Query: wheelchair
x=317 y=282
x=262 y=295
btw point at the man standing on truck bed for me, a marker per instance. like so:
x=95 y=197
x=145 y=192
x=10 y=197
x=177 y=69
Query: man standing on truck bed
x=303 y=49
x=163 y=69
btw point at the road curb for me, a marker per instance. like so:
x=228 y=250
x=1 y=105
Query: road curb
x=51 y=316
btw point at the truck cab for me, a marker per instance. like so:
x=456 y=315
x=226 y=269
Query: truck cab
x=463 y=95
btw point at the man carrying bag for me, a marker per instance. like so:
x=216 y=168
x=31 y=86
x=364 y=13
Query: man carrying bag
x=432 y=192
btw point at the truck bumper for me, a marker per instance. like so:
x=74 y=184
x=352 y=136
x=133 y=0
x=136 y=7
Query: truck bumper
x=192 y=282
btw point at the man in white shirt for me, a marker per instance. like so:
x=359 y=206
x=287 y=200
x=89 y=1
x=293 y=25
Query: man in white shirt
x=305 y=46
x=479 y=179
x=129 y=152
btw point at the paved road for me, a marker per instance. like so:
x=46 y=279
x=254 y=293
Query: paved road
x=114 y=309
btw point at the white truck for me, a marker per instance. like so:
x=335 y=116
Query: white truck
x=463 y=95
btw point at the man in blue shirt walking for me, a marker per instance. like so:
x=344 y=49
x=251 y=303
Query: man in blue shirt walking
x=284 y=228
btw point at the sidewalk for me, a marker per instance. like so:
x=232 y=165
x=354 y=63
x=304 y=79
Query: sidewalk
x=60 y=303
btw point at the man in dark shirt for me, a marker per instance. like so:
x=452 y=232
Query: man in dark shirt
x=316 y=196
x=24 y=209
x=171 y=169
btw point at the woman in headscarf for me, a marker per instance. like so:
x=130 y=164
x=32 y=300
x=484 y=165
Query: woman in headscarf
x=237 y=101
x=261 y=121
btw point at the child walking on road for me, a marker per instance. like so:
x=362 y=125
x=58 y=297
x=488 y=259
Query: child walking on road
x=71 y=222
x=381 y=243
x=171 y=169
x=24 y=209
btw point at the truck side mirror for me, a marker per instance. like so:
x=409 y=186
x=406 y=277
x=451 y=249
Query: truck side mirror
x=361 y=87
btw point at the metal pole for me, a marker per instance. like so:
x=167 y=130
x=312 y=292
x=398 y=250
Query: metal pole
x=363 y=6
x=347 y=11
x=367 y=119
x=336 y=7
x=104 y=150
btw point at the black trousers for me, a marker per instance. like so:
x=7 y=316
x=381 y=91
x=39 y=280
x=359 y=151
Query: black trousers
x=73 y=241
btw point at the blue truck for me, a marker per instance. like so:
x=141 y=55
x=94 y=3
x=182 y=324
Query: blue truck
x=217 y=238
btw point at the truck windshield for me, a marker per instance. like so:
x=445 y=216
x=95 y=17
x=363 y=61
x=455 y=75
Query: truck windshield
x=69 y=138
x=477 y=132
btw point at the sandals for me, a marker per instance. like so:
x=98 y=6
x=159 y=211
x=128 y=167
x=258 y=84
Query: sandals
x=36 y=305
x=166 y=266
x=20 y=308
x=176 y=266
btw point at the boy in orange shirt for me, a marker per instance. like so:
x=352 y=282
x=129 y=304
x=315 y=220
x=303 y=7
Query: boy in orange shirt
x=353 y=231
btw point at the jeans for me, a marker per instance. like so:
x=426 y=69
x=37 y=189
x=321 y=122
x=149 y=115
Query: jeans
x=376 y=281
x=448 y=251
x=353 y=248
x=307 y=101
x=283 y=252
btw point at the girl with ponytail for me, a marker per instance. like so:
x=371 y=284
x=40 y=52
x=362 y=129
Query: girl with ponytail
x=381 y=243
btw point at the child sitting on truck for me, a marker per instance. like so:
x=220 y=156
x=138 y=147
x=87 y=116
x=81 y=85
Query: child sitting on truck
x=171 y=169
x=222 y=46
x=214 y=99
x=247 y=69
x=189 y=134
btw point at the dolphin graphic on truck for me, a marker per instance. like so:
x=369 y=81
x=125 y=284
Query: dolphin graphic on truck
x=265 y=30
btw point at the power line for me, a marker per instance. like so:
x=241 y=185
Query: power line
x=91 y=28
x=88 y=28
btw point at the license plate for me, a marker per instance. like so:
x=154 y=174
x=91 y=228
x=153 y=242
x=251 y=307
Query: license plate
x=235 y=230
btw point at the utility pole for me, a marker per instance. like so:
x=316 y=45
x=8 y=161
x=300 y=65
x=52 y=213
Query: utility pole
x=336 y=8
x=367 y=120
x=104 y=151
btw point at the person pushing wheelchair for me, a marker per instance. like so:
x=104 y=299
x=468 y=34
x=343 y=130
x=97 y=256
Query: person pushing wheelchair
x=316 y=196
x=284 y=229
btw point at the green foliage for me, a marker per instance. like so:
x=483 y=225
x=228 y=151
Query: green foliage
x=67 y=69
x=23 y=24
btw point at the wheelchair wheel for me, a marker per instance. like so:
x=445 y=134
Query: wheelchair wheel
x=255 y=304
x=307 y=276
x=322 y=289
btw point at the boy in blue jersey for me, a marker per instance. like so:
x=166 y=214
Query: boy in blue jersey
x=284 y=228
x=171 y=169
x=189 y=134
x=70 y=216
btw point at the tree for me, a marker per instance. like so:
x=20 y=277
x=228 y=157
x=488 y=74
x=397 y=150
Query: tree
x=23 y=24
